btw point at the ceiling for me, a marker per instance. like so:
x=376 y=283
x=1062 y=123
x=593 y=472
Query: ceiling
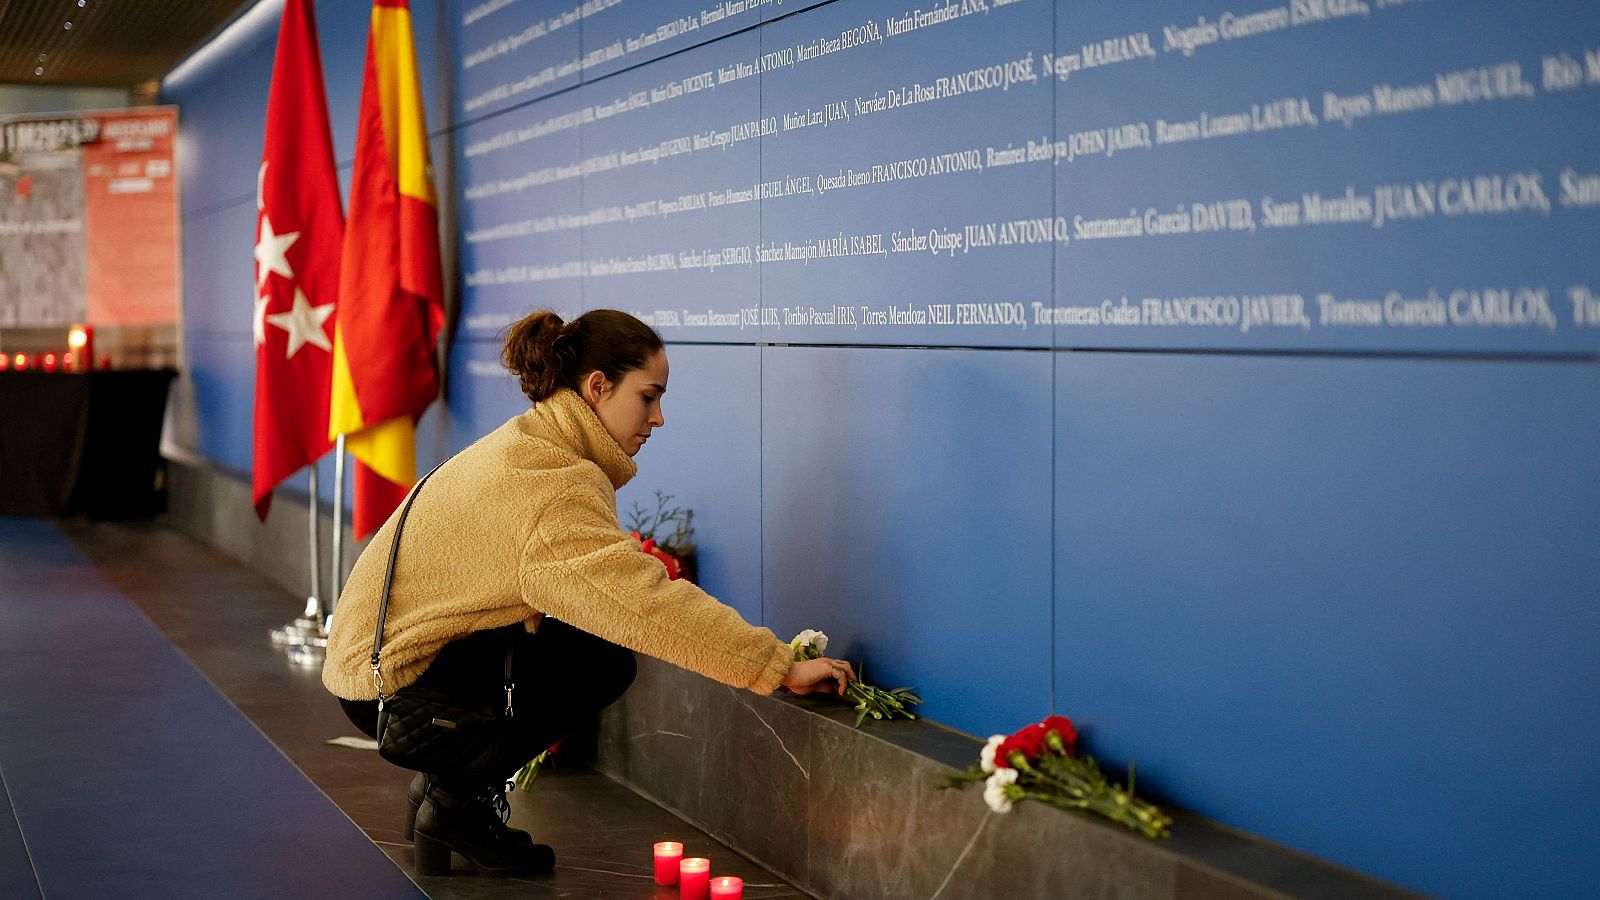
x=112 y=43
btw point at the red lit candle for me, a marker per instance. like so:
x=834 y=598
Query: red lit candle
x=20 y=361
x=668 y=855
x=694 y=878
x=49 y=362
x=726 y=887
x=81 y=340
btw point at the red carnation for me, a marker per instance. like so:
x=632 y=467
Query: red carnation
x=1029 y=742
x=648 y=545
x=1062 y=726
x=1032 y=739
x=674 y=570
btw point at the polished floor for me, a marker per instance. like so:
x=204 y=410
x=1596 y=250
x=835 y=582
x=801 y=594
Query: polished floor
x=154 y=744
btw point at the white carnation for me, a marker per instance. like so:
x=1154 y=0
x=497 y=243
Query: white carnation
x=986 y=757
x=810 y=638
x=994 y=790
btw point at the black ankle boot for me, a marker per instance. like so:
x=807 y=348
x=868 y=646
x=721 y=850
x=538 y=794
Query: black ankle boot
x=418 y=790
x=414 y=796
x=472 y=824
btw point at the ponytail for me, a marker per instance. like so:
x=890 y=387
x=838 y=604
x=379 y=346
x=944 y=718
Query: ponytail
x=548 y=354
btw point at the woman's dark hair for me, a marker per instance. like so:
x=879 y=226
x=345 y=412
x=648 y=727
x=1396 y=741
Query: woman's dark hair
x=548 y=354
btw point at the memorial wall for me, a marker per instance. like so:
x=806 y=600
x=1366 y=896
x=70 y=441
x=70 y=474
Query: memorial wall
x=1366 y=176
x=1393 y=206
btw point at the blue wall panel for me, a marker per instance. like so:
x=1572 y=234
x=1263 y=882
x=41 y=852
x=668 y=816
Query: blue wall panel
x=708 y=457
x=1429 y=147
x=219 y=270
x=220 y=129
x=479 y=392
x=222 y=371
x=661 y=240
x=622 y=36
x=509 y=54
x=519 y=198
x=881 y=223
x=1335 y=602
x=903 y=512
x=777 y=9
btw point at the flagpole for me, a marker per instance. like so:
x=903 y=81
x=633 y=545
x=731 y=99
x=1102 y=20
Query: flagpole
x=305 y=639
x=314 y=603
x=338 y=525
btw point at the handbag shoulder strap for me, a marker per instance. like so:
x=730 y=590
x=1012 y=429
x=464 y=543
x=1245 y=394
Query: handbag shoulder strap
x=388 y=580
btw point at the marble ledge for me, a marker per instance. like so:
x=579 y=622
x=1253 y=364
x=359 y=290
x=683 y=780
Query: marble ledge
x=847 y=812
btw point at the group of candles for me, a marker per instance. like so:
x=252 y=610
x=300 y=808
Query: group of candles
x=79 y=359
x=48 y=362
x=693 y=875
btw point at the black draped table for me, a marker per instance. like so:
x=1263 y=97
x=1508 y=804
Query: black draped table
x=82 y=443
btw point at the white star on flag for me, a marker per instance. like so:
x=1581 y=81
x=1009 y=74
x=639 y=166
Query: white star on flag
x=271 y=252
x=304 y=322
x=260 y=323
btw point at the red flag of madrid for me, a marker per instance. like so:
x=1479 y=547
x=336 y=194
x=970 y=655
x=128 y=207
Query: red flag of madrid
x=299 y=232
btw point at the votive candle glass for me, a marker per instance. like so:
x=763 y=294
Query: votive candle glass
x=668 y=855
x=727 y=887
x=694 y=878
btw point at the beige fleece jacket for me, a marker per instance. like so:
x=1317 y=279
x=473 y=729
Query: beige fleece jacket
x=523 y=524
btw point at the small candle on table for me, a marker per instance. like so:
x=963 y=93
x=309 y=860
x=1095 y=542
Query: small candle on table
x=727 y=887
x=694 y=875
x=81 y=340
x=668 y=854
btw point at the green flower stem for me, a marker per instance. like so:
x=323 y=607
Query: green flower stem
x=1077 y=784
x=1056 y=800
x=1073 y=783
x=869 y=700
x=525 y=775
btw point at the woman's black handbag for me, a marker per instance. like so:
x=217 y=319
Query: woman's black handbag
x=429 y=730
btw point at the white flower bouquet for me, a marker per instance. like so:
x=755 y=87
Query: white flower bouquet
x=869 y=701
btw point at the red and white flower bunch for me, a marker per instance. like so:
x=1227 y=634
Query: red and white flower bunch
x=670 y=560
x=667 y=533
x=1041 y=762
x=530 y=770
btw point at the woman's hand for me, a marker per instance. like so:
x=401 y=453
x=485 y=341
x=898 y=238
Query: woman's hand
x=807 y=676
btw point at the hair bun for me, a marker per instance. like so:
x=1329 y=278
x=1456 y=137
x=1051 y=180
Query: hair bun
x=547 y=353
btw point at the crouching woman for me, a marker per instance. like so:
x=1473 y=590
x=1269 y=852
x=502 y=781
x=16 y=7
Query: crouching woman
x=515 y=542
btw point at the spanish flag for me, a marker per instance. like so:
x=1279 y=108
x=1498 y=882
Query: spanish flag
x=391 y=298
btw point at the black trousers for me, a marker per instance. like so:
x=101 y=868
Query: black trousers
x=564 y=677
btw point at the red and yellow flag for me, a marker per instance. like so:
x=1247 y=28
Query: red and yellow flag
x=391 y=297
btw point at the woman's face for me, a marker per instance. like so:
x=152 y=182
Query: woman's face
x=631 y=409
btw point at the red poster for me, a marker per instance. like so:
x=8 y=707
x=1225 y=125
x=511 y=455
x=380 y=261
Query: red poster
x=131 y=217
